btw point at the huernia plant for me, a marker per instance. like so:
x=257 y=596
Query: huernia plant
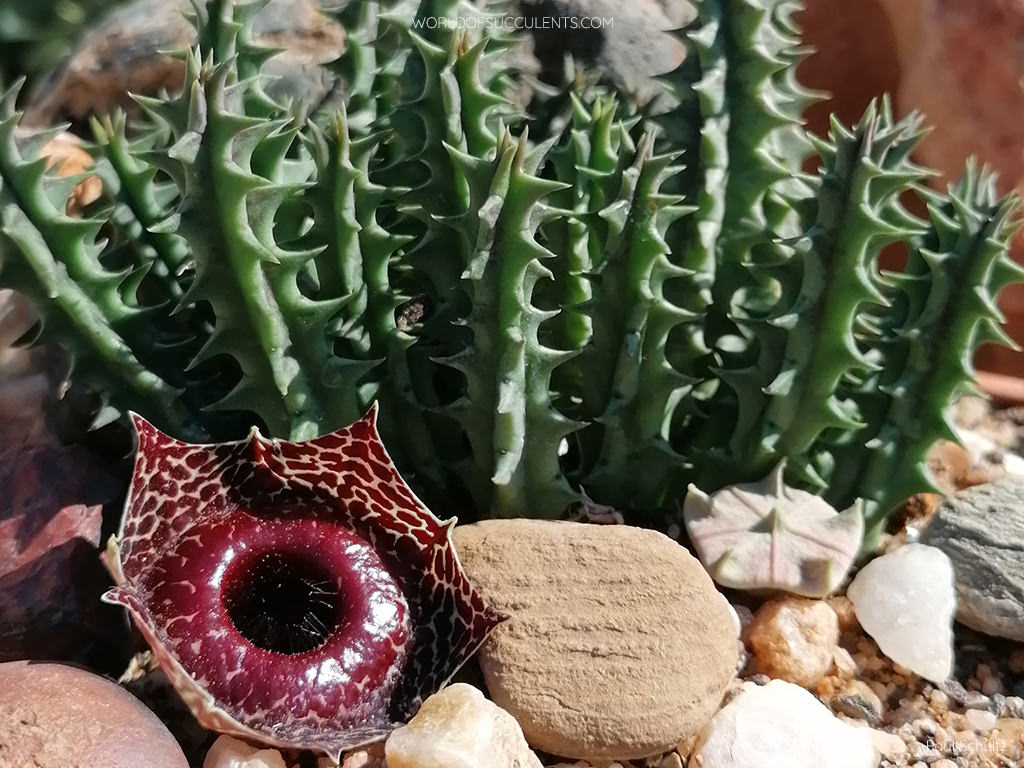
x=616 y=302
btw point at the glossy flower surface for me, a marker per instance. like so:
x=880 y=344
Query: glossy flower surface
x=298 y=594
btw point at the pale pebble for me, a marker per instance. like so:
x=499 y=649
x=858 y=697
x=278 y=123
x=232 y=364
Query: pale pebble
x=906 y=601
x=371 y=756
x=887 y=744
x=843 y=665
x=981 y=720
x=459 y=728
x=781 y=724
x=856 y=699
x=229 y=752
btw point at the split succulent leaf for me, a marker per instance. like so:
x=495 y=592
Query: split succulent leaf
x=766 y=535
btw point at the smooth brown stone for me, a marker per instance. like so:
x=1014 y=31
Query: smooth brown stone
x=58 y=716
x=618 y=646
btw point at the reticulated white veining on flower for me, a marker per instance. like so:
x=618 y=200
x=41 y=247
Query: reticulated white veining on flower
x=296 y=593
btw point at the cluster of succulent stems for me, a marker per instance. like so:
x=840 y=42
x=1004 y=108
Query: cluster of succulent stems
x=551 y=297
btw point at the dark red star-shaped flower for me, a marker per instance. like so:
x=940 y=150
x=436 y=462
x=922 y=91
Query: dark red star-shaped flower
x=299 y=594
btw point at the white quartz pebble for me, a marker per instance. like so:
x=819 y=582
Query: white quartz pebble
x=459 y=728
x=906 y=601
x=781 y=724
x=227 y=752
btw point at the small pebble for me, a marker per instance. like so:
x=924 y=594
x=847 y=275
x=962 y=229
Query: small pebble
x=998 y=704
x=744 y=615
x=906 y=733
x=1014 y=707
x=901 y=671
x=228 y=752
x=843 y=665
x=459 y=728
x=794 y=640
x=975 y=700
x=924 y=729
x=923 y=752
x=887 y=743
x=371 y=756
x=672 y=760
x=744 y=660
x=685 y=747
x=939 y=700
x=906 y=714
x=964 y=737
x=1009 y=736
x=981 y=720
x=857 y=700
x=991 y=686
x=954 y=690
x=843 y=607
x=881 y=690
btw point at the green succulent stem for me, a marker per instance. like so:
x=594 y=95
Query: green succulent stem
x=942 y=326
x=58 y=267
x=507 y=413
x=651 y=297
x=849 y=231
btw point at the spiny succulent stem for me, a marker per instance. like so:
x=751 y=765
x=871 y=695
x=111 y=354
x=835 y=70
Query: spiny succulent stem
x=538 y=320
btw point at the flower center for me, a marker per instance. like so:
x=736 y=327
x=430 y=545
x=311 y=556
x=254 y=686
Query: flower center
x=284 y=602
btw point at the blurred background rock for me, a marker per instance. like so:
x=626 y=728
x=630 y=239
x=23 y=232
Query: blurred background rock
x=961 y=63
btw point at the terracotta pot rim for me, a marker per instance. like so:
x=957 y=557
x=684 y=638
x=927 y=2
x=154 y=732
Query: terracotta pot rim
x=1001 y=387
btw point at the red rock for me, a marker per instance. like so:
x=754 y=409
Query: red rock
x=24 y=385
x=51 y=578
x=962 y=64
x=56 y=716
x=855 y=57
